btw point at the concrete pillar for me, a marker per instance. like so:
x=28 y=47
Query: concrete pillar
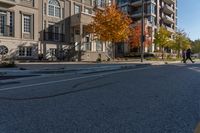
x=81 y=41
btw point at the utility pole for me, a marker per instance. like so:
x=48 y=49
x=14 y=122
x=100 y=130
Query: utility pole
x=142 y=33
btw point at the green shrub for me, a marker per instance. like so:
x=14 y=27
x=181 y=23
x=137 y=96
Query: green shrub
x=98 y=60
x=7 y=64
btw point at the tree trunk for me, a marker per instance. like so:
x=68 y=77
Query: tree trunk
x=178 y=53
x=113 y=50
x=162 y=53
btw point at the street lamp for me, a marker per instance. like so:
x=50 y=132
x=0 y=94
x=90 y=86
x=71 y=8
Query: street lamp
x=142 y=33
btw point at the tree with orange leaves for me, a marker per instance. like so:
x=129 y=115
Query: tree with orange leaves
x=110 y=25
x=135 y=39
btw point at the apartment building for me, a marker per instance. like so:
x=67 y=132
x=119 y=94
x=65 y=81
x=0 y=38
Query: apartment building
x=18 y=28
x=62 y=30
x=157 y=13
x=81 y=15
x=50 y=29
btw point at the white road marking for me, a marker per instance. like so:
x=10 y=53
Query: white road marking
x=71 y=79
x=197 y=69
x=180 y=65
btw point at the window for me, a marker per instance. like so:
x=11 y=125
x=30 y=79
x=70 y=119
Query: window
x=88 y=10
x=11 y=23
x=77 y=9
x=53 y=52
x=124 y=9
x=51 y=10
x=21 y=51
x=27 y=23
x=87 y=46
x=57 y=11
x=63 y=10
x=6 y=25
x=54 y=8
x=25 y=51
x=101 y=3
x=28 y=51
x=99 y=46
x=2 y=22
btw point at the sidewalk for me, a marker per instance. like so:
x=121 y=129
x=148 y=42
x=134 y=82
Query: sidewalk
x=70 y=65
x=38 y=68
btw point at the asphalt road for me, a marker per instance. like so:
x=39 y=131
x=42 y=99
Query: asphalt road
x=155 y=99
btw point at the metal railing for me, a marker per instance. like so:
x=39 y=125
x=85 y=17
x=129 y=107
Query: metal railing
x=7 y=31
x=55 y=37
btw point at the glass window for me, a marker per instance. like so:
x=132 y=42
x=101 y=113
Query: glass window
x=87 y=46
x=57 y=11
x=51 y=10
x=77 y=9
x=99 y=46
x=28 y=51
x=88 y=10
x=25 y=51
x=27 y=23
x=54 y=8
x=11 y=23
x=2 y=22
x=63 y=12
x=53 y=51
x=21 y=51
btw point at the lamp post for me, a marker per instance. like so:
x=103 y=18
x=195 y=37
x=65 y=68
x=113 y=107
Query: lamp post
x=142 y=33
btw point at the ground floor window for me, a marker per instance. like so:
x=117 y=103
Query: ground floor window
x=53 y=51
x=25 y=51
x=99 y=46
x=88 y=46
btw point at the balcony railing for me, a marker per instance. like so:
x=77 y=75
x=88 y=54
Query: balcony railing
x=82 y=17
x=169 y=1
x=7 y=31
x=53 y=37
x=168 y=9
x=168 y=19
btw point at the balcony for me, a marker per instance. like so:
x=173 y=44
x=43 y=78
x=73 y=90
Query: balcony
x=168 y=9
x=81 y=18
x=6 y=31
x=9 y=2
x=169 y=1
x=136 y=14
x=137 y=3
x=53 y=37
x=168 y=20
x=170 y=29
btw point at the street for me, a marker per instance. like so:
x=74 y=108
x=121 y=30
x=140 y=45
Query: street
x=151 y=99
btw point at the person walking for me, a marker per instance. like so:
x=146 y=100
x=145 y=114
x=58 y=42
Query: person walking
x=188 y=55
x=183 y=56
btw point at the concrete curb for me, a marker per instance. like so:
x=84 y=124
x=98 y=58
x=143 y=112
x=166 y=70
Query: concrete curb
x=75 y=70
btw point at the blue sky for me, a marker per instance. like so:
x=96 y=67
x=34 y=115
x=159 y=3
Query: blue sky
x=189 y=17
